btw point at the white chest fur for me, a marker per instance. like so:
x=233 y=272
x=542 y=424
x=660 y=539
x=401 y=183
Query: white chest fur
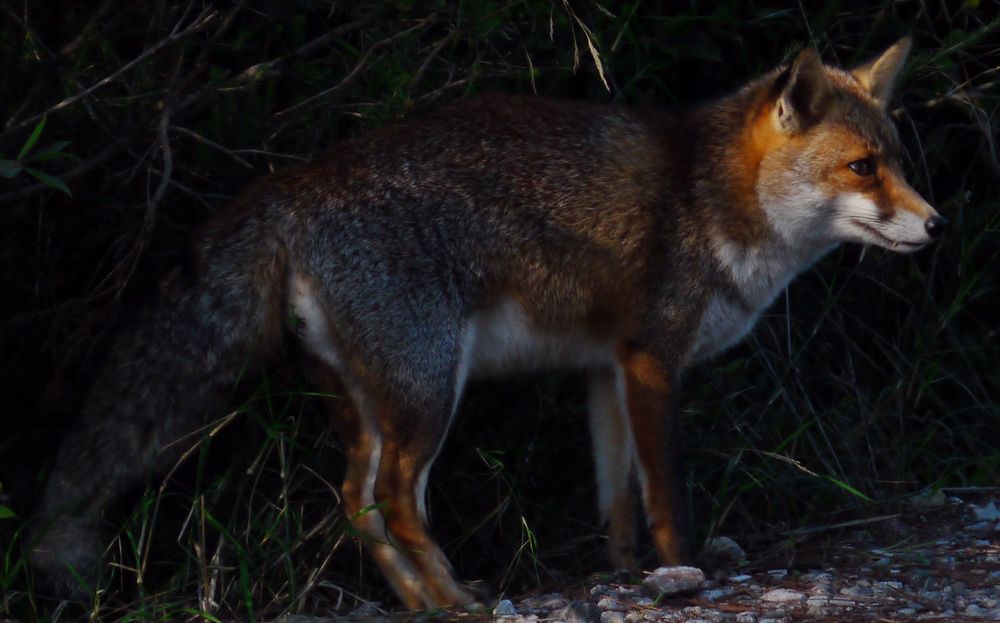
x=758 y=275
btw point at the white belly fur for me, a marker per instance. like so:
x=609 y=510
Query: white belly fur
x=503 y=340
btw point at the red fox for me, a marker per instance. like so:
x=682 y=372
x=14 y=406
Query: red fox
x=495 y=235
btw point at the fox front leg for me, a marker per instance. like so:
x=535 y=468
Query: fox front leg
x=646 y=392
x=614 y=456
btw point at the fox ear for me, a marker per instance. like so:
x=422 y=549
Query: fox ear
x=878 y=75
x=806 y=93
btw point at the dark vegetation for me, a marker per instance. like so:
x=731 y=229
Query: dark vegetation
x=125 y=124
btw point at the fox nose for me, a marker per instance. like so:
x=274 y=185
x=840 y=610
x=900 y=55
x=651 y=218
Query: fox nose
x=936 y=225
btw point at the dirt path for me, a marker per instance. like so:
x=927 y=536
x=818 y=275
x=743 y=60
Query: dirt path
x=937 y=561
x=940 y=561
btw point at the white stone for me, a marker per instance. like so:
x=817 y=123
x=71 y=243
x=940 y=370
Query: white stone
x=612 y=616
x=716 y=593
x=505 y=608
x=610 y=603
x=673 y=580
x=987 y=512
x=782 y=595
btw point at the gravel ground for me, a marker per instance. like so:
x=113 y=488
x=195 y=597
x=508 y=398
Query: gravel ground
x=938 y=561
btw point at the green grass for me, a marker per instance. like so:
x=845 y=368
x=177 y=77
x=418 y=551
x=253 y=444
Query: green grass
x=876 y=376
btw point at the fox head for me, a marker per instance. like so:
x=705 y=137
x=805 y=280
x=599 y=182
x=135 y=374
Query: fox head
x=829 y=157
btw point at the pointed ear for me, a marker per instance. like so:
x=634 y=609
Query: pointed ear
x=878 y=75
x=806 y=93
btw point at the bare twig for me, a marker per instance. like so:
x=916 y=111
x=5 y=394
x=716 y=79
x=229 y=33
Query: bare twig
x=95 y=17
x=204 y=19
x=844 y=524
x=201 y=139
x=168 y=165
x=258 y=70
x=273 y=154
x=430 y=59
x=357 y=68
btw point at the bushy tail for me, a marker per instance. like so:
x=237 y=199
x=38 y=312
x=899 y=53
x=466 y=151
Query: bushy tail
x=165 y=378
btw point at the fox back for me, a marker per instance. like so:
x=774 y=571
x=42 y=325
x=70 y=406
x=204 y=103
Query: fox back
x=498 y=235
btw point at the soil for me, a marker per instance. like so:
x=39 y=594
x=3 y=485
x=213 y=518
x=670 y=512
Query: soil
x=939 y=560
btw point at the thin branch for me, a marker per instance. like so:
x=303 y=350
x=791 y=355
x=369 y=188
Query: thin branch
x=357 y=68
x=168 y=163
x=259 y=70
x=201 y=139
x=844 y=524
x=95 y=17
x=434 y=53
x=273 y=154
x=200 y=22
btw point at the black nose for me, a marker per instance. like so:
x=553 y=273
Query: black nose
x=936 y=225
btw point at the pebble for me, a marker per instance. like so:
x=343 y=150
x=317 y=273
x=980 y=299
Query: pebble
x=746 y=617
x=986 y=512
x=505 y=608
x=554 y=602
x=782 y=595
x=610 y=603
x=673 y=580
x=579 y=612
x=612 y=616
x=725 y=549
x=716 y=594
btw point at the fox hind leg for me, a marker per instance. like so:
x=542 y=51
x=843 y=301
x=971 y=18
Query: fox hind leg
x=406 y=456
x=386 y=467
x=391 y=442
x=363 y=445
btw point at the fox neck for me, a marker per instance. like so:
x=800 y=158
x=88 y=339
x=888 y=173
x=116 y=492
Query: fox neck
x=757 y=255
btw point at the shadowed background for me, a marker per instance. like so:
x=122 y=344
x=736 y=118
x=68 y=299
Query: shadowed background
x=126 y=124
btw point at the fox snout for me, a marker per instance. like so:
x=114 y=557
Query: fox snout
x=892 y=216
x=906 y=202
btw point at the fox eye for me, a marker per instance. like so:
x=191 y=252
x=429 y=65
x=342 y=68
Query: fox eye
x=863 y=167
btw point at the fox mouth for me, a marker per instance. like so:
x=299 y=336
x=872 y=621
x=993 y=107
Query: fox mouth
x=886 y=241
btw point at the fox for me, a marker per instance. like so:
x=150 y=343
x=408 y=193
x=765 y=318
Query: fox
x=495 y=235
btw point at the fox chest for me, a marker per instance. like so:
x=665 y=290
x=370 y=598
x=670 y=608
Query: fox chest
x=725 y=321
